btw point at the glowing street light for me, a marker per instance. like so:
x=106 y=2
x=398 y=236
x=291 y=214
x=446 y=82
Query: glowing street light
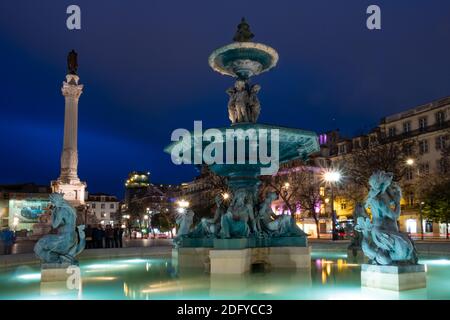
x=225 y=196
x=183 y=203
x=410 y=162
x=287 y=185
x=332 y=177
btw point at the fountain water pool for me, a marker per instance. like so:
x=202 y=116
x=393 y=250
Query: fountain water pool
x=331 y=277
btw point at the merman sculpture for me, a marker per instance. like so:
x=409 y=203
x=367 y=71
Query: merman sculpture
x=64 y=246
x=382 y=242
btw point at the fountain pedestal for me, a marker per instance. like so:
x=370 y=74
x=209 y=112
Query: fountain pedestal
x=60 y=280
x=239 y=261
x=54 y=272
x=395 y=278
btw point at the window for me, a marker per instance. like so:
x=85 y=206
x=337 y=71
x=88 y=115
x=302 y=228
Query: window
x=357 y=144
x=93 y=206
x=440 y=118
x=406 y=127
x=443 y=165
x=392 y=132
x=440 y=142
x=424 y=168
x=111 y=206
x=322 y=191
x=102 y=214
x=408 y=150
x=102 y=206
x=343 y=205
x=409 y=174
x=342 y=148
x=423 y=123
x=410 y=199
x=423 y=146
x=373 y=139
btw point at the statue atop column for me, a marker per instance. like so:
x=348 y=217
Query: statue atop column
x=72 y=62
x=243 y=33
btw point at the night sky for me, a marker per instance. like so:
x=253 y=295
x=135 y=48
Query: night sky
x=145 y=70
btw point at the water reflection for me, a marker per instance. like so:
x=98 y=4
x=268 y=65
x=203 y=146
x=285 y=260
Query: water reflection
x=330 y=277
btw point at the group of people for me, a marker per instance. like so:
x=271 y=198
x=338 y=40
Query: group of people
x=103 y=237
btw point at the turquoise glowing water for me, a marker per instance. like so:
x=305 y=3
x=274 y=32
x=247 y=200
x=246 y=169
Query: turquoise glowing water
x=331 y=277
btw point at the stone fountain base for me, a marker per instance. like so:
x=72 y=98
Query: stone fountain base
x=227 y=260
x=54 y=272
x=56 y=281
x=395 y=278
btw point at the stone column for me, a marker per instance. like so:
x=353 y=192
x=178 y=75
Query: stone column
x=71 y=91
x=68 y=182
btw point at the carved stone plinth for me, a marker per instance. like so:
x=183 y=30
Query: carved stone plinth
x=289 y=257
x=191 y=258
x=236 y=261
x=56 y=284
x=395 y=278
x=54 y=272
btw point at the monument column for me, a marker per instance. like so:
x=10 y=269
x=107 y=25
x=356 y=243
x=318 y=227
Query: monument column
x=71 y=91
x=68 y=181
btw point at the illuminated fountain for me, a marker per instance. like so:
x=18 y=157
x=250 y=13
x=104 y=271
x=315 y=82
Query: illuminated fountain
x=243 y=232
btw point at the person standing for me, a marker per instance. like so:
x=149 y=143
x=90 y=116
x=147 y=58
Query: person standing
x=8 y=239
x=100 y=235
x=89 y=240
x=116 y=236
x=109 y=237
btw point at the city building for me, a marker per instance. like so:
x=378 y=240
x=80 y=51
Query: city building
x=428 y=126
x=144 y=200
x=104 y=207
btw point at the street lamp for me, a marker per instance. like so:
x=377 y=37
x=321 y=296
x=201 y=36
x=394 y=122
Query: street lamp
x=332 y=177
x=226 y=195
x=410 y=162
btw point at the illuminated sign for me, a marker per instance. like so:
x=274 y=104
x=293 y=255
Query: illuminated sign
x=24 y=213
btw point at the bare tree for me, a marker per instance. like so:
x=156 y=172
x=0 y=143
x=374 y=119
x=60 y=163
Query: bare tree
x=310 y=196
x=390 y=156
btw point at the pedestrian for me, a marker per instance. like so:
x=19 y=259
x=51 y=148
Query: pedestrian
x=120 y=237
x=116 y=236
x=8 y=238
x=109 y=237
x=95 y=232
x=100 y=236
x=88 y=234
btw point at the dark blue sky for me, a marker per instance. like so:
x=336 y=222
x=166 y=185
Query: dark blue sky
x=145 y=71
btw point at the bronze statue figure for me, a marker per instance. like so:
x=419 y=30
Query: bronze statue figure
x=243 y=33
x=72 y=62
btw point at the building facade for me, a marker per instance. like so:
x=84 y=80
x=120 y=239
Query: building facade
x=425 y=130
x=104 y=207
